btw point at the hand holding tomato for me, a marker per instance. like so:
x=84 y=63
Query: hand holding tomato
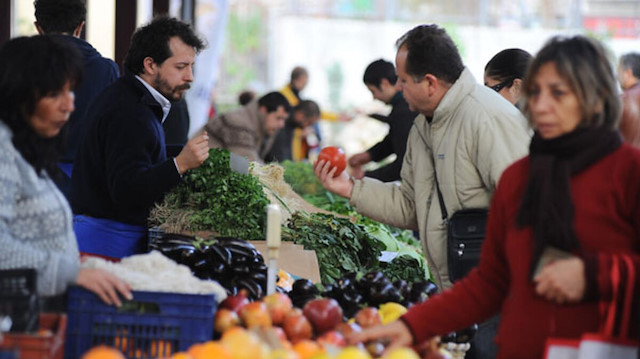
x=332 y=178
x=335 y=156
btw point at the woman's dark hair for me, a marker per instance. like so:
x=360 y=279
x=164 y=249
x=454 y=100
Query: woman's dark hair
x=584 y=64
x=30 y=69
x=431 y=51
x=152 y=40
x=378 y=70
x=60 y=16
x=508 y=64
x=273 y=100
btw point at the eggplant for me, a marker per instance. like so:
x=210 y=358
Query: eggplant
x=383 y=294
x=352 y=276
x=259 y=267
x=242 y=271
x=231 y=241
x=219 y=254
x=372 y=278
x=255 y=290
x=421 y=291
x=403 y=287
x=217 y=270
x=300 y=300
x=259 y=277
x=304 y=286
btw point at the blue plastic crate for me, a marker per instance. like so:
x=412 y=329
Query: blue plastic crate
x=153 y=324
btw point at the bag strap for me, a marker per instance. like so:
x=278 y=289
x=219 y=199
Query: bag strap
x=443 y=208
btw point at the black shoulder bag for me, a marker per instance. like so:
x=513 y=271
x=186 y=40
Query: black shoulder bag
x=465 y=233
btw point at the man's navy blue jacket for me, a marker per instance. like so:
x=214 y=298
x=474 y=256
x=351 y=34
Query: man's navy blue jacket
x=122 y=169
x=99 y=72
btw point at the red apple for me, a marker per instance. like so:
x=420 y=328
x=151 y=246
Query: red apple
x=255 y=314
x=297 y=326
x=332 y=338
x=368 y=317
x=225 y=319
x=324 y=314
x=279 y=305
x=235 y=302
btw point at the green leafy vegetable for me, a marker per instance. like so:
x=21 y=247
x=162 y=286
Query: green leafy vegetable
x=301 y=178
x=214 y=198
x=341 y=246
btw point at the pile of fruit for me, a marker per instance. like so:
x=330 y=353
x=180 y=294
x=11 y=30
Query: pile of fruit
x=319 y=329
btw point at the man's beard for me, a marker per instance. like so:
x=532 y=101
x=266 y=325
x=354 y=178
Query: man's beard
x=172 y=94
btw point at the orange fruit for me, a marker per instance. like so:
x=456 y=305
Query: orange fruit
x=210 y=349
x=181 y=355
x=307 y=348
x=103 y=352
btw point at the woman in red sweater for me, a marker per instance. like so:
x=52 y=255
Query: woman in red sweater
x=578 y=192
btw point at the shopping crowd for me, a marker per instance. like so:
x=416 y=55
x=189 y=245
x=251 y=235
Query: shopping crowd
x=547 y=142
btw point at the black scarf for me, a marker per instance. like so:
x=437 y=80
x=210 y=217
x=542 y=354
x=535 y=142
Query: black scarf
x=547 y=205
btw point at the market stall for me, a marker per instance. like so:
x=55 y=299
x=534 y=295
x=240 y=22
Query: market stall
x=203 y=290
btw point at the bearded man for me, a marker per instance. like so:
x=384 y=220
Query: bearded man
x=122 y=168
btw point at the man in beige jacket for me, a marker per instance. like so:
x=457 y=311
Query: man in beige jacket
x=469 y=131
x=249 y=131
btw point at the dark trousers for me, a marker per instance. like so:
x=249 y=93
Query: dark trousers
x=482 y=344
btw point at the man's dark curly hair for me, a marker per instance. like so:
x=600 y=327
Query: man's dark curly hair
x=152 y=40
x=30 y=69
x=431 y=51
x=60 y=16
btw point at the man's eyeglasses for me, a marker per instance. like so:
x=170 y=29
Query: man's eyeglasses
x=506 y=83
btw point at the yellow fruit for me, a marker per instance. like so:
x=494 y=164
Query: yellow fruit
x=283 y=354
x=322 y=356
x=391 y=311
x=402 y=353
x=353 y=353
x=244 y=344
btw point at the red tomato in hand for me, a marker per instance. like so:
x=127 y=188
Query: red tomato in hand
x=335 y=156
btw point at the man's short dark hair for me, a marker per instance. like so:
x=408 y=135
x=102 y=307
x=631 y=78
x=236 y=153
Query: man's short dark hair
x=152 y=40
x=378 y=70
x=245 y=97
x=272 y=101
x=60 y=16
x=308 y=108
x=631 y=61
x=431 y=51
x=298 y=72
